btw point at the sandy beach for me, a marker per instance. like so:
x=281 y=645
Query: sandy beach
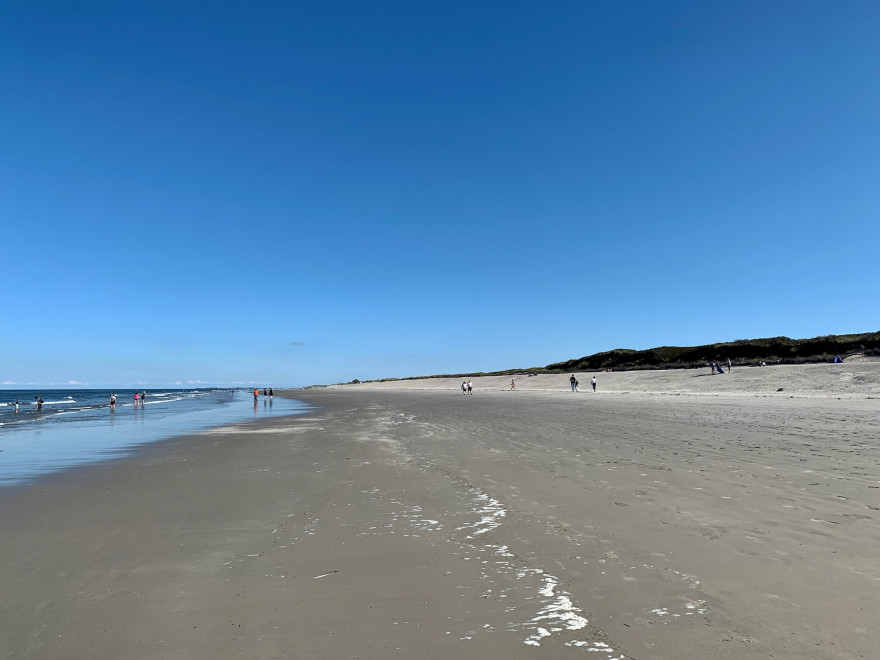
x=669 y=515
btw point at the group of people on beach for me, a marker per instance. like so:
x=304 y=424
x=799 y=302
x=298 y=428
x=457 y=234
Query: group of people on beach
x=140 y=400
x=716 y=368
x=467 y=387
x=38 y=402
x=267 y=392
x=575 y=384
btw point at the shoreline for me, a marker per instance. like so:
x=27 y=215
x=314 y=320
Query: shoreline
x=86 y=432
x=426 y=524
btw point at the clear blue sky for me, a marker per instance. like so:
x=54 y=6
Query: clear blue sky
x=286 y=193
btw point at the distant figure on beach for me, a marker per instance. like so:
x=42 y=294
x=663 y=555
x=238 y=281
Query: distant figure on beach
x=256 y=395
x=573 y=382
x=143 y=399
x=39 y=403
x=464 y=387
x=470 y=387
x=112 y=402
x=729 y=365
x=594 y=383
x=271 y=393
x=136 y=399
x=712 y=364
x=16 y=406
x=512 y=384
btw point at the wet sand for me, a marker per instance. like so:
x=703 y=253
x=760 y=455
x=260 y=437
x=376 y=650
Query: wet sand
x=674 y=515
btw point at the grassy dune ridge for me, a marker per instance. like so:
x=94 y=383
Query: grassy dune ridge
x=772 y=350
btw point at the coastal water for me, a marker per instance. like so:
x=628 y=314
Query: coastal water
x=77 y=426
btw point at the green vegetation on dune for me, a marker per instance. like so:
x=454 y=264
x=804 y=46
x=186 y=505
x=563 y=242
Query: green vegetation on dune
x=774 y=350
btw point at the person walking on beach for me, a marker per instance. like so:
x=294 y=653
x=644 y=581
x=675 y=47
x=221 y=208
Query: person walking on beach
x=136 y=399
x=713 y=367
x=143 y=399
x=464 y=387
x=16 y=406
x=729 y=365
x=572 y=380
x=594 y=383
x=512 y=384
x=256 y=395
x=271 y=393
x=112 y=402
x=470 y=387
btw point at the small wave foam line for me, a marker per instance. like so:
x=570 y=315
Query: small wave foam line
x=492 y=511
x=558 y=612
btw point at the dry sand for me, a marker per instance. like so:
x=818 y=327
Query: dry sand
x=670 y=515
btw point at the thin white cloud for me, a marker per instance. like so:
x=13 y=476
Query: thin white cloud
x=9 y=382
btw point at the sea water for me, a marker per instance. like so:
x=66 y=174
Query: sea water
x=78 y=426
